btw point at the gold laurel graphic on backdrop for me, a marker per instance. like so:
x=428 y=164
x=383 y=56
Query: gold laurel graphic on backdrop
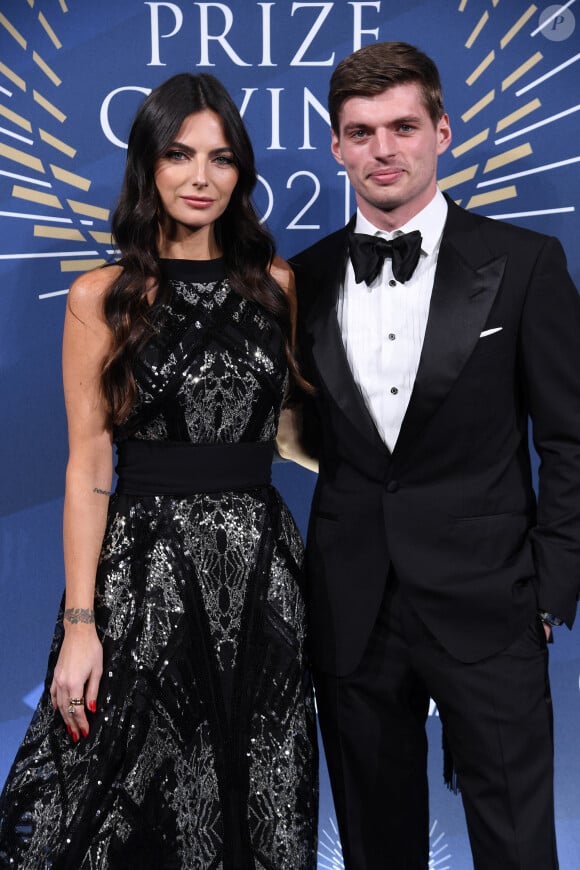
x=38 y=162
x=519 y=123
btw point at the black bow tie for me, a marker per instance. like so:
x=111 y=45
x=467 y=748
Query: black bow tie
x=367 y=254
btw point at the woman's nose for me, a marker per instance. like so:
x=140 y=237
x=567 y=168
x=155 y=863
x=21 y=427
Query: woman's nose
x=199 y=172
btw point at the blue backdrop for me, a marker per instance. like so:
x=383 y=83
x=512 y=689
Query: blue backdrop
x=71 y=77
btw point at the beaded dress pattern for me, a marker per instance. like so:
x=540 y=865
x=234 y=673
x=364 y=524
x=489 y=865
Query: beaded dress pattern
x=202 y=753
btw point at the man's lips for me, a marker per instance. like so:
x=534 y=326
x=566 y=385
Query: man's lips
x=386 y=175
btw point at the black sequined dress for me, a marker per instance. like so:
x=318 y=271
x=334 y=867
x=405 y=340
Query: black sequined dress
x=202 y=753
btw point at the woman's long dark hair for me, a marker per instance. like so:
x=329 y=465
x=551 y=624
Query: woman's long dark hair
x=247 y=247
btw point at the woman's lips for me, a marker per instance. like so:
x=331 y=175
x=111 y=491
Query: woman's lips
x=197 y=201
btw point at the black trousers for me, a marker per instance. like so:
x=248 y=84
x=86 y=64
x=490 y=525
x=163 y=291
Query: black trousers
x=497 y=717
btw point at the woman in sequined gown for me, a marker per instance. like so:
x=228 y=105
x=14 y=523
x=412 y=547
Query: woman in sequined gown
x=176 y=729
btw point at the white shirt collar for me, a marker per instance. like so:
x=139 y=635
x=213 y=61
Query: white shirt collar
x=429 y=221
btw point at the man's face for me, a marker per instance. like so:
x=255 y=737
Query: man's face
x=389 y=146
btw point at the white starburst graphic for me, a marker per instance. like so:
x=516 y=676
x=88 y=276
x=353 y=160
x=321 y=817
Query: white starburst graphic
x=330 y=850
x=439 y=855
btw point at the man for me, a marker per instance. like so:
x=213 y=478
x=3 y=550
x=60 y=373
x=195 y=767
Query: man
x=433 y=569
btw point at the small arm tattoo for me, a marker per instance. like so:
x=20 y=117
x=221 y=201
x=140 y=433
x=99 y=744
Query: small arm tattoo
x=74 y=615
x=101 y=491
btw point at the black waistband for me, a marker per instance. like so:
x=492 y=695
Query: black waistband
x=180 y=468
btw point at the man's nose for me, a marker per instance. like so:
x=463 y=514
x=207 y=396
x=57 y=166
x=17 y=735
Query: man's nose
x=384 y=143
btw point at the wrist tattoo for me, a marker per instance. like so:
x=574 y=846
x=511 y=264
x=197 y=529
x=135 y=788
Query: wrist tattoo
x=101 y=491
x=74 y=615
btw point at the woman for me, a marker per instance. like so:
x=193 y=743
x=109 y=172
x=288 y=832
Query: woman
x=177 y=726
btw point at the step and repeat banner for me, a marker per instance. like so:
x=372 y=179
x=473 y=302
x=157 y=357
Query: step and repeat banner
x=72 y=75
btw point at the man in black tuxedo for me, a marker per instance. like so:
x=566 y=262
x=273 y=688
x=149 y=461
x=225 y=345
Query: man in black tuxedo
x=433 y=569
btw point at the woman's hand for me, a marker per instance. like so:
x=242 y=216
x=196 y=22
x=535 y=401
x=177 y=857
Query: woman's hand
x=289 y=439
x=77 y=675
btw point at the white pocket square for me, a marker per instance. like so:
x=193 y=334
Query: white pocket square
x=491 y=331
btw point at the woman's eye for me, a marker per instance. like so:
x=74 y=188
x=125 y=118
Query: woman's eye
x=175 y=155
x=224 y=159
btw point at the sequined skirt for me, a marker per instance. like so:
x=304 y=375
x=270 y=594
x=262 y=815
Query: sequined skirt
x=202 y=752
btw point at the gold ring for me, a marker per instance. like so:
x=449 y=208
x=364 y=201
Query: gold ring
x=76 y=702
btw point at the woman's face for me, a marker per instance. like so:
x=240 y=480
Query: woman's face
x=196 y=175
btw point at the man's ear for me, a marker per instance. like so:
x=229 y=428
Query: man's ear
x=443 y=134
x=335 y=147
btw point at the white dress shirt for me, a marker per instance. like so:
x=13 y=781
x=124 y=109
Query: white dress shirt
x=383 y=325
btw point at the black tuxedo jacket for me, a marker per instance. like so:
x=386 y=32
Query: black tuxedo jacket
x=452 y=509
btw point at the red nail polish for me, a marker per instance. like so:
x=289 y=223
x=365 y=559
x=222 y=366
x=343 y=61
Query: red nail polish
x=93 y=706
x=75 y=736
x=84 y=732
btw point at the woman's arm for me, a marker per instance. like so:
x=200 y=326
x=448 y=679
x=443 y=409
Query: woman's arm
x=288 y=438
x=89 y=472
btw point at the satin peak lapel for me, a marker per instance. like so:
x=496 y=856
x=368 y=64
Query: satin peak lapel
x=460 y=304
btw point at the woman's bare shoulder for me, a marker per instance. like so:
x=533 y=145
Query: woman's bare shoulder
x=87 y=292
